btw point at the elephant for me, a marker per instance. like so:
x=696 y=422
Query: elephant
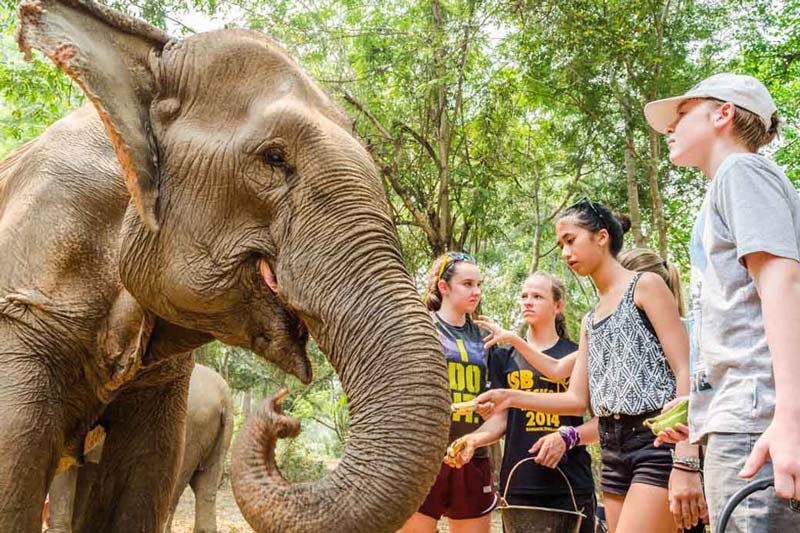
x=209 y=428
x=209 y=189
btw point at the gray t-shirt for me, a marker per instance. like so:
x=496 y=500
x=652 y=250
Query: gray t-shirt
x=750 y=206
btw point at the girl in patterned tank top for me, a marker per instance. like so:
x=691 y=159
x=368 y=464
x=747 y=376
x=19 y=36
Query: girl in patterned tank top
x=632 y=359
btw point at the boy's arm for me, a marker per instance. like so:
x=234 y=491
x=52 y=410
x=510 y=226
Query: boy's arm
x=777 y=280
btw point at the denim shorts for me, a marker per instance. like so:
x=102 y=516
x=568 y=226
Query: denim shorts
x=629 y=455
x=761 y=512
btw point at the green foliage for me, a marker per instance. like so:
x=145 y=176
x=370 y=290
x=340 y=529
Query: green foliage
x=771 y=52
x=32 y=94
x=484 y=120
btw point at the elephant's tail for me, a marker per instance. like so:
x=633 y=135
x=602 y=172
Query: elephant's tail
x=225 y=433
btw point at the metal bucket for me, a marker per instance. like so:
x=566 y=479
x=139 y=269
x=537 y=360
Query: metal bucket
x=736 y=499
x=525 y=519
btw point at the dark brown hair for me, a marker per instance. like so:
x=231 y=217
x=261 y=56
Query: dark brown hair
x=433 y=296
x=595 y=217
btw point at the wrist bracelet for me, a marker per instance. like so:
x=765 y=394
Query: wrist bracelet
x=570 y=435
x=685 y=469
x=688 y=462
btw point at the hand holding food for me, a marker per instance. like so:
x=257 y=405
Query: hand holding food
x=677 y=414
x=464 y=408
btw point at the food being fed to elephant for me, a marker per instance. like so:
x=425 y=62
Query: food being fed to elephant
x=209 y=190
x=209 y=428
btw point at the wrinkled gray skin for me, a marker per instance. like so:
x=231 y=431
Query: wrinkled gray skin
x=209 y=428
x=211 y=190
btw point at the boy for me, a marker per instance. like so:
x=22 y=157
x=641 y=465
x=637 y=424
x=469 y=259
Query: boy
x=745 y=248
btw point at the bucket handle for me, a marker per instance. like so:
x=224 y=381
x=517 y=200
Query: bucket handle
x=566 y=480
x=736 y=499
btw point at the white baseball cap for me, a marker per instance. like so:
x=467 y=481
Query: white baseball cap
x=742 y=91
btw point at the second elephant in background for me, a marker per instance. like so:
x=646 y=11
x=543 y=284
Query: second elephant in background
x=209 y=428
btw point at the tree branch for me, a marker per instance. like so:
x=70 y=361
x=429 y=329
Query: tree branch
x=422 y=141
x=367 y=113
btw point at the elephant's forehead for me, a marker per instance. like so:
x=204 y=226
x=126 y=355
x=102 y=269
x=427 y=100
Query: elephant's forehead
x=235 y=67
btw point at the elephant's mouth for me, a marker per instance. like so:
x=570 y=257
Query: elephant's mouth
x=274 y=331
x=271 y=281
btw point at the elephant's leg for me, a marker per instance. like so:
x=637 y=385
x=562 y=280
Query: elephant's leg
x=180 y=485
x=205 y=484
x=141 y=456
x=87 y=476
x=31 y=432
x=62 y=500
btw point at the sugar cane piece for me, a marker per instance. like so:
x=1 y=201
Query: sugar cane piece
x=678 y=414
x=464 y=408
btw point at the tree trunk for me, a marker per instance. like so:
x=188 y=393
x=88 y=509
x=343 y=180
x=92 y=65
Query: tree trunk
x=537 y=247
x=660 y=22
x=226 y=351
x=442 y=123
x=655 y=193
x=247 y=400
x=630 y=175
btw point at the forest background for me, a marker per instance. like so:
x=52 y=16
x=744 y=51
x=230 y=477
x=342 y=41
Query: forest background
x=485 y=119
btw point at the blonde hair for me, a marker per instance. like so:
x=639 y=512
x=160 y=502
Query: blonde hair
x=750 y=129
x=559 y=295
x=646 y=260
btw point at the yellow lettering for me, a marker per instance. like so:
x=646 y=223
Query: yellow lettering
x=457 y=397
x=541 y=421
x=513 y=379
x=526 y=379
x=462 y=350
x=456 y=373
x=474 y=379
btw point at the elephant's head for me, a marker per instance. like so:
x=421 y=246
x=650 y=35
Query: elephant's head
x=250 y=198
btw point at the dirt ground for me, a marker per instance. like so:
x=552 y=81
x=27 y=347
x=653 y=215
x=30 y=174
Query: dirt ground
x=229 y=520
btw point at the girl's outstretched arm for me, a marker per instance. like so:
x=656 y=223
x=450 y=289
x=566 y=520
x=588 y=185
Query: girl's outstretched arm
x=550 y=367
x=573 y=402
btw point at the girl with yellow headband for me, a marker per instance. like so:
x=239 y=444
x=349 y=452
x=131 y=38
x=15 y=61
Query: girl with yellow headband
x=465 y=496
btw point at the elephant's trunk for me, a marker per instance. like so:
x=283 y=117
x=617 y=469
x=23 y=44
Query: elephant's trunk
x=367 y=316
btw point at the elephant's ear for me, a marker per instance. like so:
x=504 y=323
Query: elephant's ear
x=113 y=58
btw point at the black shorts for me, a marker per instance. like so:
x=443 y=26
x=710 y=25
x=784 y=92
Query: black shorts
x=586 y=505
x=461 y=493
x=629 y=455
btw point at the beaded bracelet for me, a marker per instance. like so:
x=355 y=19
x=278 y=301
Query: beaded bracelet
x=570 y=435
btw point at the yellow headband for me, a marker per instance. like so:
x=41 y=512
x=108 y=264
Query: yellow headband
x=441 y=268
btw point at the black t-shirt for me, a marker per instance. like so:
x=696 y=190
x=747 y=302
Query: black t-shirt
x=467 y=369
x=510 y=370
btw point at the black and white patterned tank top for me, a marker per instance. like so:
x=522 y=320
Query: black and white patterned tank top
x=628 y=371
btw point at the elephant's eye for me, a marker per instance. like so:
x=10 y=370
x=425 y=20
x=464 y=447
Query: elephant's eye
x=274 y=157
